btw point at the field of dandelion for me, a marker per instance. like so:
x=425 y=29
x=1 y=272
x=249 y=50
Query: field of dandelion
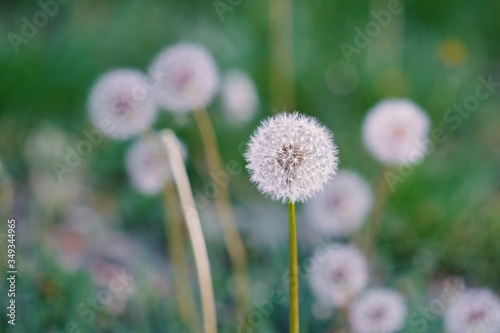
x=94 y=243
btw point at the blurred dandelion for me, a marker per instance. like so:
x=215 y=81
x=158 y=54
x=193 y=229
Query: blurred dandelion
x=188 y=77
x=239 y=96
x=379 y=310
x=147 y=165
x=474 y=311
x=338 y=273
x=394 y=132
x=120 y=106
x=343 y=207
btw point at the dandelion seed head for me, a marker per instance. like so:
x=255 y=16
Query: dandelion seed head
x=291 y=157
x=378 y=310
x=343 y=207
x=338 y=273
x=147 y=165
x=473 y=311
x=395 y=131
x=239 y=96
x=120 y=106
x=187 y=77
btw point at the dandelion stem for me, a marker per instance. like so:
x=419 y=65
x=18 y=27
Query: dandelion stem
x=176 y=241
x=195 y=231
x=375 y=219
x=345 y=318
x=294 y=271
x=230 y=232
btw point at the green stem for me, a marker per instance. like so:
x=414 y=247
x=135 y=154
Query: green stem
x=345 y=318
x=294 y=271
x=375 y=219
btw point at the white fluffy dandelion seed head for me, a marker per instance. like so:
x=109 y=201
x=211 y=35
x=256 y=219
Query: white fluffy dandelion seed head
x=343 y=207
x=395 y=132
x=291 y=157
x=474 y=311
x=338 y=273
x=187 y=77
x=147 y=165
x=119 y=104
x=239 y=96
x=379 y=310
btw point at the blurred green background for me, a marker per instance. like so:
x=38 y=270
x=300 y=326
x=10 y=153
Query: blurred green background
x=443 y=220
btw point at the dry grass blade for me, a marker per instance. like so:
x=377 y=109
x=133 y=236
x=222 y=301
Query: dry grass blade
x=194 y=228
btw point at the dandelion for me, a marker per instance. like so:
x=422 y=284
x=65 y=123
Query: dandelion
x=474 y=311
x=187 y=77
x=239 y=96
x=343 y=207
x=379 y=310
x=338 y=273
x=395 y=132
x=120 y=106
x=147 y=165
x=291 y=157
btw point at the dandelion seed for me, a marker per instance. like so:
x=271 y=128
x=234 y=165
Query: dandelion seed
x=343 y=207
x=379 y=310
x=474 y=311
x=338 y=273
x=395 y=131
x=187 y=77
x=120 y=106
x=239 y=96
x=291 y=157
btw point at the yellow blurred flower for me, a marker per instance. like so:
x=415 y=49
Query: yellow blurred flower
x=452 y=52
